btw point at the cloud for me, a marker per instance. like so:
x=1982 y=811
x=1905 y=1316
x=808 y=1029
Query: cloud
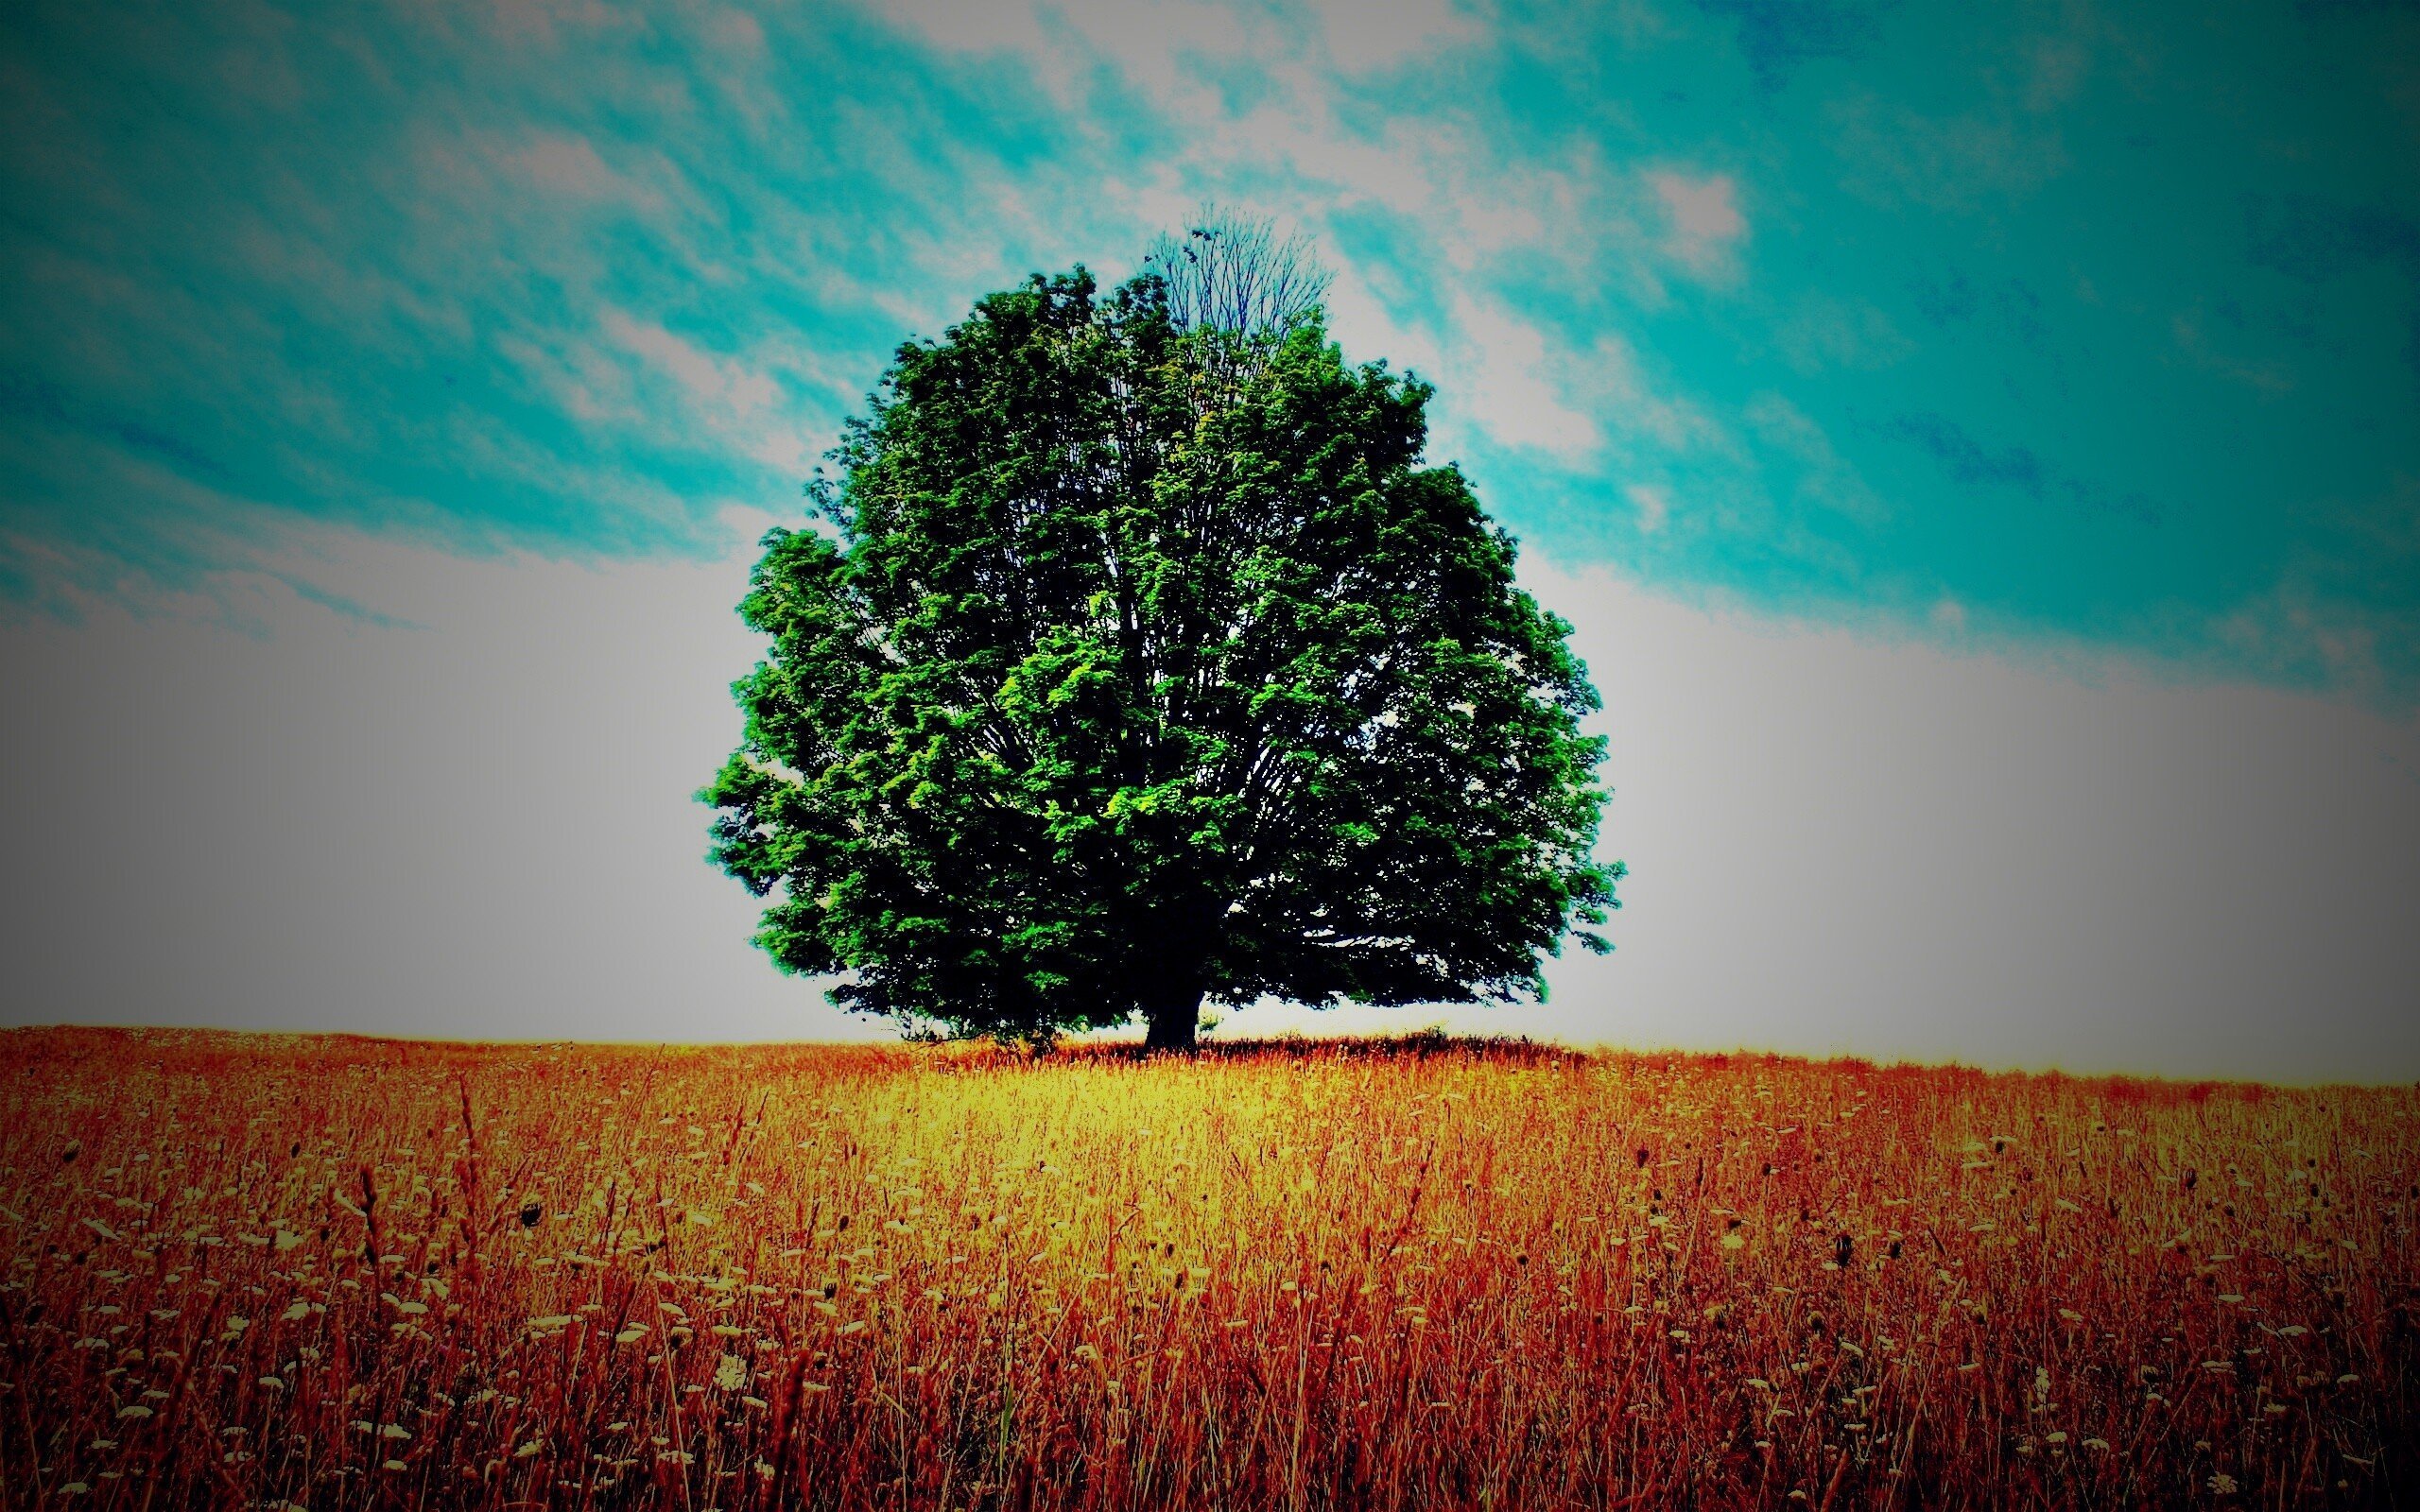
x=1703 y=218
x=1654 y=504
x=750 y=405
x=1827 y=331
x=337 y=802
x=1511 y=393
x=373 y=286
x=2193 y=341
x=1845 y=843
x=566 y=164
x=2294 y=631
x=1629 y=403
x=1840 y=843
x=2057 y=67
x=1895 y=155
x=1368 y=35
x=708 y=382
x=1824 y=478
x=976 y=27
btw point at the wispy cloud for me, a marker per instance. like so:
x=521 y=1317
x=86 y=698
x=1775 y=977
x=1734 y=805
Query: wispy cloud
x=576 y=277
x=1898 y=155
x=1515 y=397
x=1703 y=216
x=1654 y=504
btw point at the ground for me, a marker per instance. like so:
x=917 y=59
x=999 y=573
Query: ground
x=345 y=1272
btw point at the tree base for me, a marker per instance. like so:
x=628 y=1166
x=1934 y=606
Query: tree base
x=1173 y=1029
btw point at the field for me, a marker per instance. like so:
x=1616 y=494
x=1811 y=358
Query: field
x=340 y=1273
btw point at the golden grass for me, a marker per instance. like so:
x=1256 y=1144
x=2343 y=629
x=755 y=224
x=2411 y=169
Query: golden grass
x=338 y=1273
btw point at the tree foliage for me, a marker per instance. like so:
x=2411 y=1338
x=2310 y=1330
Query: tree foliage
x=1136 y=657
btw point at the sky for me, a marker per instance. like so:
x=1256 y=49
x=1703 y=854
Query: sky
x=1979 y=447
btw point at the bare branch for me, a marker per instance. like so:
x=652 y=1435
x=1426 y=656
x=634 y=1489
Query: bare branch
x=1230 y=274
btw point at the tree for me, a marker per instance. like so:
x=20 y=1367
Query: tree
x=1134 y=658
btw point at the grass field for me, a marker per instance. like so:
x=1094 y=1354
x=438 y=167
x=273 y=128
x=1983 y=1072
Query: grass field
x=338 y=1273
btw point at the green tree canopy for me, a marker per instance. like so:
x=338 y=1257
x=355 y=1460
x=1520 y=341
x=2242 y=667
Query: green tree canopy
x=1136 y=658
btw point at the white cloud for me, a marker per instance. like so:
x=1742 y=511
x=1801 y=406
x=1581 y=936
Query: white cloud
x=1367 y=326
x=1621 y=394
x=1893 y=155
x=1148 y=43
x=1654 y=504
x=1703 y=216
x=1510 y=391
x=1826 y=332
x=1295 y=148
x=562 y=162
x=969 y=26
x=1825 y=478
x=2292 y=631
x=1367 y=35
x=740 y=402
x=482 y=827
x=1844 y=845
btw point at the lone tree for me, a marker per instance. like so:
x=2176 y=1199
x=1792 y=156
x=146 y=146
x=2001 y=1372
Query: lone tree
x=1137 y=659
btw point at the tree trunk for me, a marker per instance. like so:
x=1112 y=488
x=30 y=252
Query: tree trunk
x=1174 y=1015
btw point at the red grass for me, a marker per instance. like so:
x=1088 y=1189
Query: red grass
x=341 y=1272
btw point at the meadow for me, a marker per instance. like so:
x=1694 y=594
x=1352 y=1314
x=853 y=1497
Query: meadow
x=332 y=1273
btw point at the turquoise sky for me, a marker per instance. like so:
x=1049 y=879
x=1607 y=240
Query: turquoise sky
x=2046 y=325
